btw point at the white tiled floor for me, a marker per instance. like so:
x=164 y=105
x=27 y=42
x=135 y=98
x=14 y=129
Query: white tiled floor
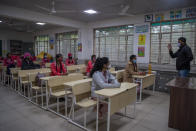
x=17 y=114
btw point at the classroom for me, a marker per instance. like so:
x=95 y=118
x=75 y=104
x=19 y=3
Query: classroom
x=97 y=65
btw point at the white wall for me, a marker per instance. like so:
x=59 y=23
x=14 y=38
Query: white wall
x=6 y=35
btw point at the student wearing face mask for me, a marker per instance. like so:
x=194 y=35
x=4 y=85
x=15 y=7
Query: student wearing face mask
x=131 y=69
x=102 y=78
x=27 y=63
x=69 y=61
x=45 y=60
x=58 y=68
x=90 y=64
x=183 y=57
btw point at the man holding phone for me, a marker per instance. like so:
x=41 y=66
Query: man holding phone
x=183 y=57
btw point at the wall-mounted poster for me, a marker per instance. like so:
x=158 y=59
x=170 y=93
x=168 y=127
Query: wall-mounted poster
x=177 y=14
x=159 y=17
x=141 y=51
x=79 y=47
x=191 y=12
x=148 y=18
x=141 y=29
x=141 y=39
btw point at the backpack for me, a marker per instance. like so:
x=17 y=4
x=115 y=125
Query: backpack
x=38 y=80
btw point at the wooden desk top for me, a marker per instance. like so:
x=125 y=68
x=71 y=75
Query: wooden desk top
x=142 y=76
x=114 y=91
x=73 y=83
x=48 y=77
x=114 y=72
x=189 y=83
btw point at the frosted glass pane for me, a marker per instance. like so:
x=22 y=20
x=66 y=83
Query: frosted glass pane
x=122 y=56
x=166 y=28
x=189 y=27
x=155 y=29
x=165 y=58
x=154 y=48
x=177 y=28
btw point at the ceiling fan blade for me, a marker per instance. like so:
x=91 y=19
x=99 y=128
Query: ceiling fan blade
x=125 y=9
x=43 y=8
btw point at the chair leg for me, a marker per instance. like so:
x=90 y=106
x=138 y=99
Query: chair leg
x=15 y=84
x=36 y=97
x=84 y=117
x=24 y=90
x=66 y=105
x=57 y=105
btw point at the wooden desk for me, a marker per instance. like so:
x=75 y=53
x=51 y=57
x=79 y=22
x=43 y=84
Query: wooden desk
x=74 y=83
x=46 y=79
x=182 y=110
x=145 y=81
x=117 y=98
x=118 y=74
x=75 y=68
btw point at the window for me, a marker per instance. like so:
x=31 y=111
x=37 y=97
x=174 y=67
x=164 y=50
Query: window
x=41 y=44
x=116 y=43
x=67 y=43
x=169 y=32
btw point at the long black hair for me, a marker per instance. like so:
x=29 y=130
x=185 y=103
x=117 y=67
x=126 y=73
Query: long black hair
x=98 y=66
x=58 y=56
x=8 y=54
x=93 y=57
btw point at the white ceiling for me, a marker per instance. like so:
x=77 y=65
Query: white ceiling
x=23 y=25
x=108 y=8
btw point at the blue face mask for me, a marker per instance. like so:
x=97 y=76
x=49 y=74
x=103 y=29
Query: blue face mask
x=179 y=44
x=134 y=61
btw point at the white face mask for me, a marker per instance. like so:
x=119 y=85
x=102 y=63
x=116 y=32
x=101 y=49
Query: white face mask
x=109 y=66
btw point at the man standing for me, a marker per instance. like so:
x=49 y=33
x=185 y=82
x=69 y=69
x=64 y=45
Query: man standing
x=183 y=57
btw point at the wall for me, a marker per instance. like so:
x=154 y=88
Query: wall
x=136 y=20
x=6 y=35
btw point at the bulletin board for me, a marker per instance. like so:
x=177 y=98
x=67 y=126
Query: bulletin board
x=142 y=42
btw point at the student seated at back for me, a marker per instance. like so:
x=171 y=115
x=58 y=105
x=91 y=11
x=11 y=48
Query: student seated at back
x=90 y=65
x=9 y=62
x=45 y=60
x=102 y=78
x=131 y=69
x=27 y=63
x=69 y=61
x=58 y=68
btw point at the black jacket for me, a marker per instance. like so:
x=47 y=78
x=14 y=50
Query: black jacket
x=183 y=57
x=27 y=65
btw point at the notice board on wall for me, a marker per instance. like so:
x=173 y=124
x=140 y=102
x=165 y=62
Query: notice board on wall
x=142 y=42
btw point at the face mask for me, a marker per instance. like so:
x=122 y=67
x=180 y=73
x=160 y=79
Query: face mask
x=109 y=66
x=70 y=57
x=179 y=44
x=60 y=59
x=134 y=61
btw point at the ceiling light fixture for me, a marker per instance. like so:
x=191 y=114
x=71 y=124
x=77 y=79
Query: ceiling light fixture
x=90 y=11
x=0 y=21
x=40 y=23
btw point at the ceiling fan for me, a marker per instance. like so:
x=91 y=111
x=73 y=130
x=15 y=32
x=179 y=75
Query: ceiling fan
x=124 y=8
x=53 y=10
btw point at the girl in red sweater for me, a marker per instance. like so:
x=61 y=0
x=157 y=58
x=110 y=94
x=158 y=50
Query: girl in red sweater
x=58 y=68
x=90 y=64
